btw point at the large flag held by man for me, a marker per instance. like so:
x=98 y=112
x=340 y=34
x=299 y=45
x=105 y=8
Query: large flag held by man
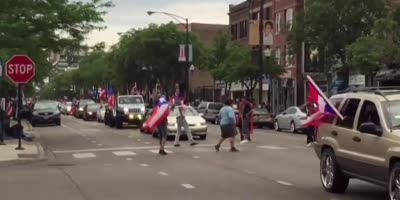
x=324 y=106
x=111 y=97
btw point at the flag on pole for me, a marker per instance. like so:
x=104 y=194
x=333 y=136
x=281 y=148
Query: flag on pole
x=111 y=97
x=324 y=106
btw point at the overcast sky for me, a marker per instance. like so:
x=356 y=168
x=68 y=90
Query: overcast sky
x=129 y=14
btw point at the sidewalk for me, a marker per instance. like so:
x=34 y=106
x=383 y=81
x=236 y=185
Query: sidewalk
x=32 y=151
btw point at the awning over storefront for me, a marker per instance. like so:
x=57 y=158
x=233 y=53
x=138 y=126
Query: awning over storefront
x=388 y=74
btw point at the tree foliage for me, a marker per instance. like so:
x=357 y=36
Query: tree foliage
x=36 y=28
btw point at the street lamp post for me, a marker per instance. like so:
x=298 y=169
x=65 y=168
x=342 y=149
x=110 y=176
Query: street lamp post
x=186 y=24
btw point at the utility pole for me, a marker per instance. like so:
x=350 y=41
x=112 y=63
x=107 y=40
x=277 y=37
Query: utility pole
x=187 y=61
x=261 y=53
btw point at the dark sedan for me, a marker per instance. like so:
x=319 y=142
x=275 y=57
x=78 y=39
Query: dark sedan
x=263 y=118
x=46 y=112
x=90 y=111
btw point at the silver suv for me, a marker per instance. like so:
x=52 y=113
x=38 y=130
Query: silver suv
x=365 y=144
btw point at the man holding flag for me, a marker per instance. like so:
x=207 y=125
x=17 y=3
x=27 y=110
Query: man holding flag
x=318 y=107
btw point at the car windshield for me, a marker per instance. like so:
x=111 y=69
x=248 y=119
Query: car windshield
x=392 y=114
x=215 y=106
x=130 y=100
x=188 y=111
x=94 y=106
x=45 y=105
x=261 y=111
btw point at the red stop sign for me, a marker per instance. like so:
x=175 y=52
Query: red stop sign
x=20 y=69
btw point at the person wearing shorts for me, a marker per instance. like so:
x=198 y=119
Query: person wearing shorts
x=228 y=125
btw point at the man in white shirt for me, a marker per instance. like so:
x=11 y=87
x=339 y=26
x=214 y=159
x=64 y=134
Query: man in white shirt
x=181 y=122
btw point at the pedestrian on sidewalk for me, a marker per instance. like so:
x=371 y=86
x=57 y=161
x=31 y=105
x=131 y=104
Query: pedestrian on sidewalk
x=246 y=113
x=181 y=120
x=228 y=125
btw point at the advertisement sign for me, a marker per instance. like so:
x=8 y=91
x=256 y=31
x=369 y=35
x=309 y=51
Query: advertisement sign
x=254 y=32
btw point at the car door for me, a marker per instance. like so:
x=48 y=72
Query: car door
x=286 y=117
x=343 y=135
x=202 y=107
x=372 y=148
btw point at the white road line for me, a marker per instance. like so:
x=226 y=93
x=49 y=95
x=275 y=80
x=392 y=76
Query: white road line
x=143 y=165
x=138 y=140
x=120 y=148
x=163 y=173
x=249 y=172
x=284 y=183
x=131 y=136
x=93 y=141
x=84 y=155
x=147 y=143
x=196 y=157
x=129 y=159
x=188 y=186
x=155 y=151
x=271 y=147
x=99 y=145
x=124 y=153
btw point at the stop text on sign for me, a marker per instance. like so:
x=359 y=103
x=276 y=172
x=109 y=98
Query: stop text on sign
x=19 y=69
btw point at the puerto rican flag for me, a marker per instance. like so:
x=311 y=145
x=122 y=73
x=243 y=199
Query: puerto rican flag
x=323 y=106
x=103 y=93
x=111 y=97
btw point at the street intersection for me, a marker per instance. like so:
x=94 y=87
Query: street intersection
x=87 y=160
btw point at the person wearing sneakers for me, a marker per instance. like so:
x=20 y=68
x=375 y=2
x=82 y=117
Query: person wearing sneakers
x=228 y=125
x=181 y=120
x=246 y=112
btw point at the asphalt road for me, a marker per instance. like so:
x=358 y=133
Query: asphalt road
x=89 y=161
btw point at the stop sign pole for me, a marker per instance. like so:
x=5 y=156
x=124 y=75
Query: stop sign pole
x=20 y=69
x=3 y=103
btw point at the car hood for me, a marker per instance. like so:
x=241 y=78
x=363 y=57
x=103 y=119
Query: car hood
x=131 y=106
x=189 y=119
x=46 y=110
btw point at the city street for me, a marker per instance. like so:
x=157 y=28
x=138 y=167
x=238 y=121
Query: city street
x=89 y=161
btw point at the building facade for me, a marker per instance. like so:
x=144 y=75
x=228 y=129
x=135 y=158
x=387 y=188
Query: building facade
x=288 y=89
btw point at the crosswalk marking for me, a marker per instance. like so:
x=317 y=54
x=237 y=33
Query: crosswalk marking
x=163 y=173
x=188 y=186
x=271 y=147
x=124 y=153
x=155 y=151
x=84 y=155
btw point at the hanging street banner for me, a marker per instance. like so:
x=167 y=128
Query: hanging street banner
x=254 y=33
x=182 y=53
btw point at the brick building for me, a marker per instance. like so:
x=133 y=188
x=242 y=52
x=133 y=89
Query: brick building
x=288 y=90
x=201 y=83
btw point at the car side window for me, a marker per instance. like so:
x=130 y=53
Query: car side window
x=291 y=111
x=369 y=113
x=202 y=106
x=335 y=102
x=348 y=111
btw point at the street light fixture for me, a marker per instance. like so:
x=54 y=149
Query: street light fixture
x=185 y=22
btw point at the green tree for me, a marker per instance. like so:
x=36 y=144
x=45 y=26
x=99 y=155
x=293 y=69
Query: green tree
x=331 y=26
x=36 y=27
x=380 y=48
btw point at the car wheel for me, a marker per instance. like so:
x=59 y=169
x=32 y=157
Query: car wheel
x=394 y=182
x=203 y=137
x=58 y=123
x=332 y=178
x=276 y=125
x=292 y=127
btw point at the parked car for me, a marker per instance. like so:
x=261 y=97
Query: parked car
x=263 y=118
x=210 y=111
x=81 y=106
x=291 y=119
x=46 y=112
x=90 y=111
x=101 y=112
x=197 y=124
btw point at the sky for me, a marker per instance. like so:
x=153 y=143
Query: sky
x=128 y=14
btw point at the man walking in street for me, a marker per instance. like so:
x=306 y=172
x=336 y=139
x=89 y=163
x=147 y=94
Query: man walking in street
x=181 y=120
x=228 y=125
x=163 y=123
x=245 y=113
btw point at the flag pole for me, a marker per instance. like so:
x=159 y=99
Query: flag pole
x=324 y=97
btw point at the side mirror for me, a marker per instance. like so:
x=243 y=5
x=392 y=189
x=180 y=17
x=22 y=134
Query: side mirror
x=371 y=128
x=201 y=114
